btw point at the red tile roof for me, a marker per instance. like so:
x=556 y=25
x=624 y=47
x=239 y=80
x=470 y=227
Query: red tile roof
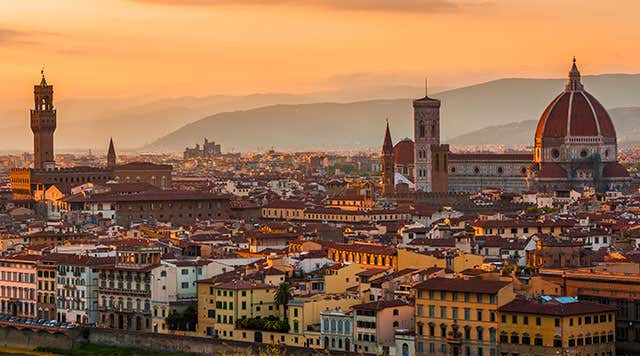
x=462 y=285
x=535 y=306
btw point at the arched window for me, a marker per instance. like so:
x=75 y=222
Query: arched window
x=396 y=324
x=333 y=325
x=437 y=162
x=421 y=129
x=347 y=327
x=339 y=326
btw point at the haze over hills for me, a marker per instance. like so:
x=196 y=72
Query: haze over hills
x=626 y=121
x=340 y=119
x=360 y=124
x=134 y=122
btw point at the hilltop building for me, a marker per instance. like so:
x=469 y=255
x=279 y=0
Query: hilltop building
x=208 y=150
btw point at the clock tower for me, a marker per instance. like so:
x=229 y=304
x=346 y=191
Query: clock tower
x=43 y=125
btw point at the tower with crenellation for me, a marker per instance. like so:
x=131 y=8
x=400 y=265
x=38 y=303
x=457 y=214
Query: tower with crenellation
x=43 y=125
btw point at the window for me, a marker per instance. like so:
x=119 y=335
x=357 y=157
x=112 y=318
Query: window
x=479 y=314
x=395 y=311
x=525 y=320
x=504 y=338
x=515 y=339
x=503 y=319
x=185 y=285
x=557 y=342
x=479 y=298
x=514 y=319
x=443 y=312
x=538 y=321
x=467 y=314
x=557 y=322
x=454 y=313
x=538 y=340
x=526 y=339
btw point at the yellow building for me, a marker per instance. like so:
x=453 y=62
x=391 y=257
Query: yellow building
x=339 y=278
x=458 y=316
x=456 y=261
x=304 y=315
x=364 y=254
x=557 y=326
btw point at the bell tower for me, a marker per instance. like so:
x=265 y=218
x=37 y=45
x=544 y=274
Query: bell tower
x=426 y=133
x=43 y=125
x=388 y=166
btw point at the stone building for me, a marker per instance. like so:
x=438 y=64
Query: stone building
x=124 y=288
x=26 y=181
x=208 y=150
x=43 y=125
x=388 y=169
x=576 y=144
x=173 y=206
x=426 y=122
x=575 y=149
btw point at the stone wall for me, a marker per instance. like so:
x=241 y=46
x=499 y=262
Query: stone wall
x=27 y=338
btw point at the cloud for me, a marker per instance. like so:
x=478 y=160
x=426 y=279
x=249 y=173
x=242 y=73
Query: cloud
x=350 y=5
x=13 y=37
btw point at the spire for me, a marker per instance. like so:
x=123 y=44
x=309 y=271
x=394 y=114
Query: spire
x=574 y=83
x=387 y=146
x=111 y=154
x=426 y=88
x=43 y=81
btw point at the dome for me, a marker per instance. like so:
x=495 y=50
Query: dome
x=575 y=113
x=403 y=152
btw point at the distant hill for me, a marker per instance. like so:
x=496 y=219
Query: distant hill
x=626 y=121
x=360 y=124
x=134 y=122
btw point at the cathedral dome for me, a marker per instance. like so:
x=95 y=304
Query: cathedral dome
x=575 y=113
x=403 y=152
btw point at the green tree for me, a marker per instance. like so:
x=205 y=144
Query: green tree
x=282 y=296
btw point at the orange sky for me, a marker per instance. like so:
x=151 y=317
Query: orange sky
x=122 y=48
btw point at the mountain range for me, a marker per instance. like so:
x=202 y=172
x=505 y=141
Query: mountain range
x=467 y=116
x=501 y=111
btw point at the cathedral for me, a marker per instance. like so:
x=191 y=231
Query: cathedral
x=575 y=148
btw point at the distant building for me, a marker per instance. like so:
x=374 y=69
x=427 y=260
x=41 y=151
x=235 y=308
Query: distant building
x=208 y=150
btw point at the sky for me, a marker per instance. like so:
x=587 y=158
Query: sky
x=138 y=48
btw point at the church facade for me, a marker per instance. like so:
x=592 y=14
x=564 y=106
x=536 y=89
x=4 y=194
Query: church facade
x=575 y=148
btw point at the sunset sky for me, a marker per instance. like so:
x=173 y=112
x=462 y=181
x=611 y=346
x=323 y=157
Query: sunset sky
x=123 y=48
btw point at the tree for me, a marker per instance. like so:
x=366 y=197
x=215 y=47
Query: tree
x=282 y=296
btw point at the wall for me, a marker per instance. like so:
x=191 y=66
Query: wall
x=30 y=339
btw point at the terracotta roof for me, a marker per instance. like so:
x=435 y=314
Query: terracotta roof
x=575 y=113
x=242 y=284
x=551 y=170
x=525 y=157
x=539 y=307
x=381 y=304
x=462 y=285
x=403 y=152
x=366 y=248
x=142 y=166
x=614 y=170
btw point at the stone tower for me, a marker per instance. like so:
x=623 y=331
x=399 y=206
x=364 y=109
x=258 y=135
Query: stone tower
x=426 y=133
x=111 y=154
x=388 y=169
x=43 y=125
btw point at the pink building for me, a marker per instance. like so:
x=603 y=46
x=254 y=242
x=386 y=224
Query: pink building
x=18 y=285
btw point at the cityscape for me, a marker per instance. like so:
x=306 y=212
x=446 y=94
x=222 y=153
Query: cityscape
x=334 y=222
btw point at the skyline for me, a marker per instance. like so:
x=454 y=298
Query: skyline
x=200 y=48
